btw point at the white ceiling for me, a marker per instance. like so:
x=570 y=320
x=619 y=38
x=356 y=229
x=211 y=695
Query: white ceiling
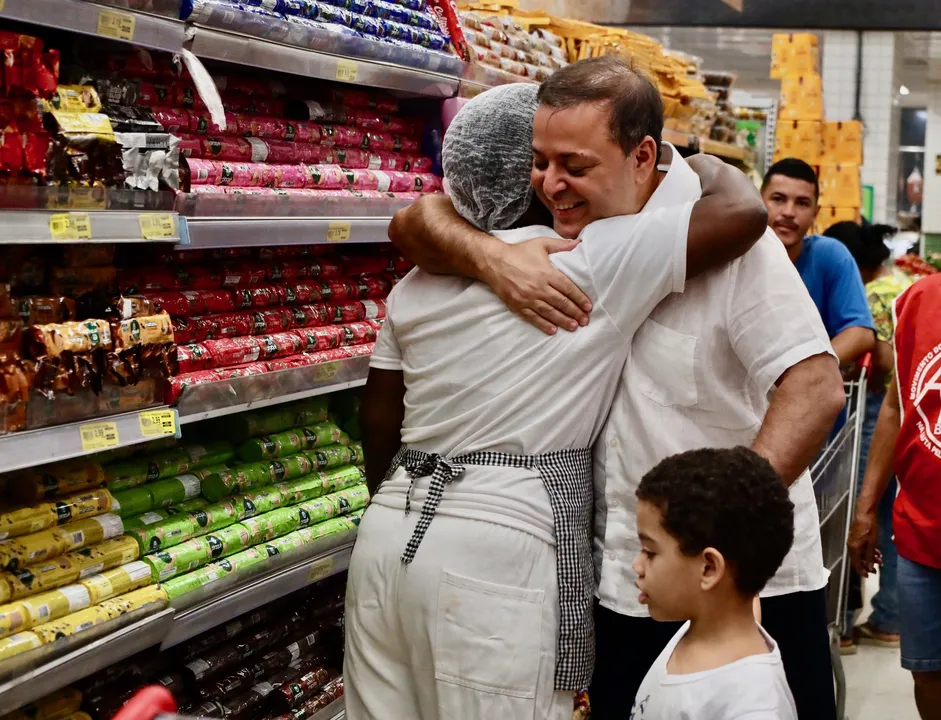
x=747 y=52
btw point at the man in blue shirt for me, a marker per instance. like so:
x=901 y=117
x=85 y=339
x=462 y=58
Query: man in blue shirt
x=790 y=191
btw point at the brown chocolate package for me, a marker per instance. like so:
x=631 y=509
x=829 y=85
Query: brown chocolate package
x=54 y=339
x=89 y=255
x=7 y=309
x=42 y=310
x=148 y=330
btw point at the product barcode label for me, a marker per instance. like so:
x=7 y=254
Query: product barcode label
x=157 y=227
x=43 y=612
x=347 y=70
x=338 y=231
x=137 y=570
x=116 y=25
x=93 y=570
x=99 y=436
x=77 y=596
x=2 y=5
x=70 y=226
x=78 y=538
x=158 y=423
x=319 y=570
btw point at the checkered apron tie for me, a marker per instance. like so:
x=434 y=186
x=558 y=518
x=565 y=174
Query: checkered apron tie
x=568 y=480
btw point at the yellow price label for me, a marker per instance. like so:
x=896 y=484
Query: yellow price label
x=116 y=25
x=319 y=570
x=70 y=226
x=2 y=5
x=99 y=436
x=156 y=227
x=347 y=70
x=157 y=423
x=339 y=231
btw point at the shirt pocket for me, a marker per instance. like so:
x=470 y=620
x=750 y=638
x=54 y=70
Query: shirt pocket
x=663 y=363
x=488 y=636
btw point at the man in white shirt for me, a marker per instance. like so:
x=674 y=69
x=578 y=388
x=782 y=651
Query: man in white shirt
x=701 y=373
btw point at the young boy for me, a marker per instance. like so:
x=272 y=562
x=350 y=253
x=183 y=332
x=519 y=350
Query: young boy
x=715 y=526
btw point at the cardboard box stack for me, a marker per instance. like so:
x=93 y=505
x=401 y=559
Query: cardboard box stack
x=835 y=149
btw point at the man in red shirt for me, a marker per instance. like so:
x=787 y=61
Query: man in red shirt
x=908 y=438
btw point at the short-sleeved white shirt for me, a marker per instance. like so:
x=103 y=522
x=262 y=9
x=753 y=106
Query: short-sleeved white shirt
x=479 y=378
x=699 y=374
x=753 y=688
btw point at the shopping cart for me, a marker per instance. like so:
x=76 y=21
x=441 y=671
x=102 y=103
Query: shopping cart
x=834 y=477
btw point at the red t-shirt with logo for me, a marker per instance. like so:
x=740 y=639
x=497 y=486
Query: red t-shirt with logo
x=917 y=516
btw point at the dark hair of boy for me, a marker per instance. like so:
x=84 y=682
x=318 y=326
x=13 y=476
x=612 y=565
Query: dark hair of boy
x=728 y=499
x=793 y=168
x=866 y=243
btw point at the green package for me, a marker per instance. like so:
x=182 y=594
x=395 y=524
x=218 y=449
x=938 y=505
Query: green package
x=164 y=534
x=333 y=456
x=323 y=434
x=234 y=480
x=203 y=472
x=211 y=453
x=318 y=510
x=354 y=498
x=190 y=505
x=185 y=584
x=290 y=467
x=216 y=516
x=257 y=502
x=269 y=447
x=240 y=561
x=259 y=528
x=274 y=524
x=243 y=426
x=283 y=544
x=174 y=491
x=177 y=560
x=342 y=478
x=129 y=474
x=228 y=541
x=333 y=526
x=131 y=502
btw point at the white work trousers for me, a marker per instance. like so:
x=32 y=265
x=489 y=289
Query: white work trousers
x=467 y=631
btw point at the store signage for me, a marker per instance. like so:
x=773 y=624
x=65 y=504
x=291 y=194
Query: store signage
x=809 y=14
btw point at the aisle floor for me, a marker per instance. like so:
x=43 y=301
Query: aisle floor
x=877 y=686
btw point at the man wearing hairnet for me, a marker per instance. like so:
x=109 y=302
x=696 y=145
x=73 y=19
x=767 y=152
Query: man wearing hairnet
x=470 y=587
x=740 y=357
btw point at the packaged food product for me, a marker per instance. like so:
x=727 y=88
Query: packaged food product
x=14 y=618
x=134 y=600
x=58 y=479
x=105 y=555
x=117 y=581
x=228 y=540
x=19 y=643
x=163 y=534
x=72 y=624
x=133 y=502
x=55 y=705
x=259 y=501
x=23 y=521
x=55 y=604
x=173 y=491
x=38 y=310
x=74 y=337
x=41 y=546
x=178 y=560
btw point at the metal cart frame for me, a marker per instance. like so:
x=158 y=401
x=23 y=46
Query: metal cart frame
x=834 y=477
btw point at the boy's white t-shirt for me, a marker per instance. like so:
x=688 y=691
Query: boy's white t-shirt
x=753 y=688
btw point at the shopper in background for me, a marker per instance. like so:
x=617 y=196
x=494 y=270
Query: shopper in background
x=908 y=440
x=715 y=526
x=791 y=191
x=700 y=374
x=884 y=283
x=479 y=603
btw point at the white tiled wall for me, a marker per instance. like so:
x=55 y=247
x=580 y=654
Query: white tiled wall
x=931 y=211
x=882 y=62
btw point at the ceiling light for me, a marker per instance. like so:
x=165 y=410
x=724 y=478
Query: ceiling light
x=903 y=90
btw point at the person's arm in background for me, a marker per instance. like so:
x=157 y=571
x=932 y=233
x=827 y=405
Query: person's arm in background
x=778 y=336
x=848 y=308
x=726 y=222
x=380 y=417
x=864 y=534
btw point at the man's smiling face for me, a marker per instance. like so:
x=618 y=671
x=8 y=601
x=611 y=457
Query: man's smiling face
x=579 y=172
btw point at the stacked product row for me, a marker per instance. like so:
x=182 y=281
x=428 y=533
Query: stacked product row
x=255 y=311
x=279 y=662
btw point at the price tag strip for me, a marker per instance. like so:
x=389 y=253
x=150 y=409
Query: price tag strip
x=70 y=226
x=339 y=231
x=158 y=423
x=157 y=227
x=116 y=25
x=99 y=436
x=347 y=70
x=319 y=570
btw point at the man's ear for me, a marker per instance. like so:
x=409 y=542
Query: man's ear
x=713 y=568
x=645 y=155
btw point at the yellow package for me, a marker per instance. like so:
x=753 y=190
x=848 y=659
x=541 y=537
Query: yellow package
x=794 y=54
x=19 y=643
x=23 y=521
x=44 y=576
x=91 y=531
x=59 y=704
x=55 y=604
x=118 y=581
x=14 y=618
x=104 y=556
x=71 y=624
x=6 y=591
x=76 y=507
x=801 y=139
x=801 y=98
x=30 y=549
x=840 y=186
x=135 y=600
x=829 y=216
x=59 y=479
x=843 y=143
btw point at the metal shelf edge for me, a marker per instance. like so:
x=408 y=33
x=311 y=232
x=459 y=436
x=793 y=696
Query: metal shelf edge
x=334 y=711
x=231 y=600
x=22 y=227
x=203 y=233
x=27 y=449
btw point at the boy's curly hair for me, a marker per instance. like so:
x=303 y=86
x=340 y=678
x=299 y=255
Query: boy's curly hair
x=732 y=500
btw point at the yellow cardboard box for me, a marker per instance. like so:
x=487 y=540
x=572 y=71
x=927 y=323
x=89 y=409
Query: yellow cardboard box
x=802 y=139
x=843 y=143
x=840 y=186
x=829 y=216
x=794 y=54
x=801 y=98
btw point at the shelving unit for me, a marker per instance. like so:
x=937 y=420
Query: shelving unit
x=40 y=227
x=207 y=233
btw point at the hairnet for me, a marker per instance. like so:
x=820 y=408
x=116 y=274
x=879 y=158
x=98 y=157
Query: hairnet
x=487 y=156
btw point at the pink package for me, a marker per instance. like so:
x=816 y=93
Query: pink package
x=398 y=161
x=283 y=152
x=427 y=183
x=302 y=132
x=207 y=190
x=390 y=142
x=201 y=123
x=172 y=119
x=262 y=127
x=241 y=174
x=205 y=172
x=190 y=146
x=228 y=148
x=291 y=176
x=349 y=157
x=325 y=177
x=343 y=136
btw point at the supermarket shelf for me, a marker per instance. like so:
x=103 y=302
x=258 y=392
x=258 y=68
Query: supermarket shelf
x=61 y=442
x=90 y=19
x=22 y=227
x=239 y=593
x=118 y=640
x=202 y=402
x=678 y=139
x=223 y=45
x=723 y=150
x=334 y=711
x=202 y=233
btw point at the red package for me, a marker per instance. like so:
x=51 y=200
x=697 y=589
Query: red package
x=363 y=99
x=253 y=368
x=243 y=274
x=288 y=271
x=176 y=385
x=186 y=96
x=361 y=350
x=191 y=146
x=211 y=301
x=301 y=293
x=195 y=329
x=302 y=132
x=272 y=320
x=280 y=151
x=262 y=127
x=356 y=311
x=234 y=324
x=343 y=136
x=291 y=362
x=43 y=75
x=290 y=176
x=320 y=338
x=366 y=264
x=372 y=286
x=205 y=172
x=201 y=123
x=35 y=150
x=11 y=152
x=280 y=344
x=233 y=351
x=315 y=315
x=261 y=296
x=196 y=356
x=389 y=142
x=172 y=119
x=174 y=303
x=325 y=269
x=227 y=148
